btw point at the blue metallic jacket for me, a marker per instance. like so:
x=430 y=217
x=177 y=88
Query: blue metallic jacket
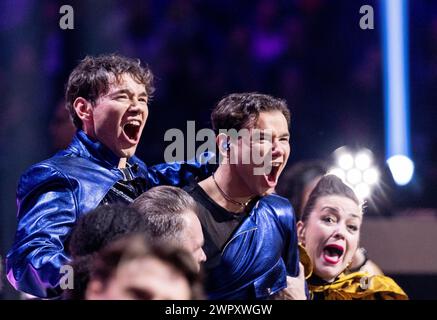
x=54 y=193
x=260 y=254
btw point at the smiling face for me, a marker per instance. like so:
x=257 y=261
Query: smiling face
x=117 y=118
x=267 y=150
x=331 y=234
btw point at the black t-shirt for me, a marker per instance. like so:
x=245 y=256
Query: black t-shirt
x=218 y=224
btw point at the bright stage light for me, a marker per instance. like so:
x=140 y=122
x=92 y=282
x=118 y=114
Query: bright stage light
x=362 y=190
x=396 y=88
x=357 y=170
x=338 y=172
x=346 y=161
x=402 y=169
x=371 y=176
x=363 y=159
x=353 y=176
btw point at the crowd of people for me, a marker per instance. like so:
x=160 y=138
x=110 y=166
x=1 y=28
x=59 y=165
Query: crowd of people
x=184 y=230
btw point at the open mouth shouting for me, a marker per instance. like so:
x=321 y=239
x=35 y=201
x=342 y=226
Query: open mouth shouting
x=132 y=130
x=273 y=173
x=332 y=253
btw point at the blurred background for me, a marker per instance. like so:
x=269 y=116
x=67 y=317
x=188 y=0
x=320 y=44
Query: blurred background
x=312 y=53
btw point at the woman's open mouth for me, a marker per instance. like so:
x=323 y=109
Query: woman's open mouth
x=131 y=130
x=332 y=253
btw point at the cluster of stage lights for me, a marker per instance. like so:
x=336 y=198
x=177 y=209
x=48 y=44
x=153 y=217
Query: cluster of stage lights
x=356 y=170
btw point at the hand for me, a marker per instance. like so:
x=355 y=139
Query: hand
x=295 y=287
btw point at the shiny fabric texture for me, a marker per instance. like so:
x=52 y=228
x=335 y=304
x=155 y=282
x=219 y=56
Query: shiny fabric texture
x=260 y=254
x=306 y=261
x=361 y=286
x=54 y=193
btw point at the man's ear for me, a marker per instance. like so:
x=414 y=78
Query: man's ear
x=223 y=145
x=301 y=232
x=83 y=109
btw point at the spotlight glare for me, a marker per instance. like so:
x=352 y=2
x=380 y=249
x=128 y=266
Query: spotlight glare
x=402 y=169
x=338 y=172
x=362 y=190
x=357 y=169
x=346 y=161
x=353 y=176
x=371 y=176
x=363 y=160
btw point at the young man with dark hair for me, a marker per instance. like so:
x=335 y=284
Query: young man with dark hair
x=170 y=215
x=250 y=235
x=108 y=100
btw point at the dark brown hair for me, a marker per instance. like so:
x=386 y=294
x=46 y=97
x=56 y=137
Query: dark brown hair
x=92 y=232
x=91 y=79
x=328 y=185
x=137 y=247
x=241 y=110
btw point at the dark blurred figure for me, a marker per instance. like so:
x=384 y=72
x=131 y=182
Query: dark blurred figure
x=297 y=183
x=170 y=215
x=93 y=232
x=1 y=276
x=299 y=180
x=61 y=127
x=164 y=215
x=103 y=225
x=132 y=269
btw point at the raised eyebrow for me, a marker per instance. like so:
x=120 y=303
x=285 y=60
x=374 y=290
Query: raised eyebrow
x=330 y=209
x=336 y=211
x=353 y=215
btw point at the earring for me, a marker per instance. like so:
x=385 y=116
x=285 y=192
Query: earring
x=225 y=145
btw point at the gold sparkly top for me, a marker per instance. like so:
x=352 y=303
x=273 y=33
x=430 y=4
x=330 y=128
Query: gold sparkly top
x=354 y=286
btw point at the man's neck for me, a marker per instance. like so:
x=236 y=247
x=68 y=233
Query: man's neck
x=228 y=183
x=122 y=163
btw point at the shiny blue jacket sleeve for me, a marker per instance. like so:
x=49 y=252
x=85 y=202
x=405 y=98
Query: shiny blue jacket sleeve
x=46 y=213
x=291 y=252
x=261 y=253
x=180 y=174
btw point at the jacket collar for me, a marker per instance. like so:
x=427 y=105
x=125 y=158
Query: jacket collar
x=249 y=224
x=88 y=148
